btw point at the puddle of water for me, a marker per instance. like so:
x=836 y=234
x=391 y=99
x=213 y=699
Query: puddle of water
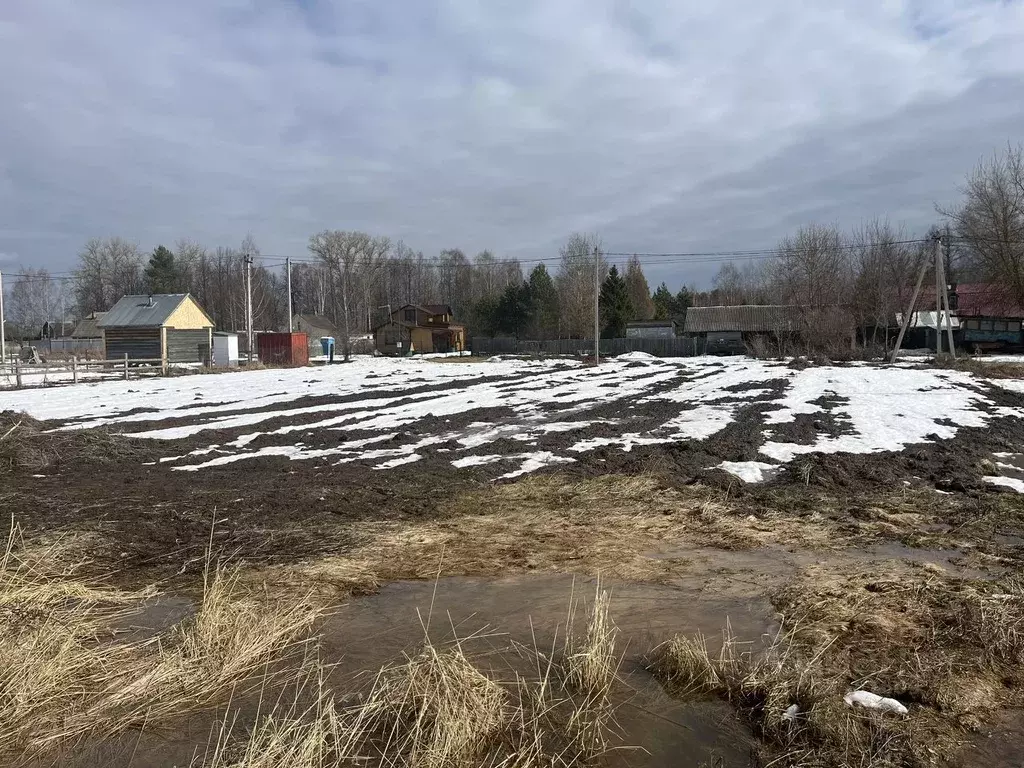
x=366 y=633
x=371 y=631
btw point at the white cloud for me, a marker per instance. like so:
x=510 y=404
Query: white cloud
x=660 y=125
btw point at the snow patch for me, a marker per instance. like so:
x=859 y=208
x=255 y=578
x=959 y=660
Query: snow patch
x=747 y=471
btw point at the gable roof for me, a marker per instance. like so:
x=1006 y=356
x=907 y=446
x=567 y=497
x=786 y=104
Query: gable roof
x=88 y=327
x=319 y=323
x=143 y=311
x=437 y=309
x=985 y=300
x=766 y=318
x=652 y=324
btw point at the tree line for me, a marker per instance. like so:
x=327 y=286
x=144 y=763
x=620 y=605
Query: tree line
x=353 y=278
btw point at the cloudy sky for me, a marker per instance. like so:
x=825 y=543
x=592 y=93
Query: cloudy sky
x=500 y=124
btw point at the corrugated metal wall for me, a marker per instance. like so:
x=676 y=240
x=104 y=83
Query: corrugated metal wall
x=183 y=346
x=137 y=343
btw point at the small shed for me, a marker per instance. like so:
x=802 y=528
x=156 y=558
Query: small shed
x=283 y=348
x=225 y=349
x=165 y=326
x=651 y=329
x=88 y=327
x=316 y=327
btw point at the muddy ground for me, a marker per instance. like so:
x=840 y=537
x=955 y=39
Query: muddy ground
x=653 y=516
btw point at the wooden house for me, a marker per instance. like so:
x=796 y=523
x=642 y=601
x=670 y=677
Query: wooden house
x=168 y=326
x=420 y=328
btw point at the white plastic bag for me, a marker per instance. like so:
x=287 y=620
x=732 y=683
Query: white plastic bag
x=870 y=700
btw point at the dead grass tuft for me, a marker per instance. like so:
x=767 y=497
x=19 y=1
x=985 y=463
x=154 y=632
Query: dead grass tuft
x=441 y=708
x=63 y=678
x=25 y=444
x=951 y=649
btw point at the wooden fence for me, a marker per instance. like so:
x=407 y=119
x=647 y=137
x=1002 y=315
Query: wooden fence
x=678 y=346
x=70 y=371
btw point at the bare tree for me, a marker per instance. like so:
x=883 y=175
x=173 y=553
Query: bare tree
x=812 y=268
x=108 y=269
x=990 y=220
x=32 y=300
x=575 y=282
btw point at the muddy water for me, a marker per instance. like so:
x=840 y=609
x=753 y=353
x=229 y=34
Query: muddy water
x=490 y=616
x=655 y=729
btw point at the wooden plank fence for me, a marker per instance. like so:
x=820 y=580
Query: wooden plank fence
x=19 y=371
x=678 y=346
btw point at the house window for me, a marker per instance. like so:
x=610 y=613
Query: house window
x=986 y=325
x=1014 y=326
x=1000 y=325
x=410 y=315
x=972 y=325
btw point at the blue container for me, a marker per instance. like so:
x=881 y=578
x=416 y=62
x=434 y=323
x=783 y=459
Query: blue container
x=327 y=344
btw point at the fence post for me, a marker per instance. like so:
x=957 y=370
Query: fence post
x=74 y=369
x=17 y=373
x=126 y=366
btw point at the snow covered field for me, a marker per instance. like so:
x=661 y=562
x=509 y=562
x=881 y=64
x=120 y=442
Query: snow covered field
x=516 y=416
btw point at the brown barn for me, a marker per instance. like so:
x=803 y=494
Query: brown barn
x=420 y=328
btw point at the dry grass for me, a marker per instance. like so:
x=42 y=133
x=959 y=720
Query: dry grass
x=980 y=367
x=441 y=708
x=26 y=445
x=62 y=678
x=951 y=649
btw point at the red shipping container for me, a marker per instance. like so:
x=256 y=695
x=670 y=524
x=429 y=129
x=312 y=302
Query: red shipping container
x=283 y=348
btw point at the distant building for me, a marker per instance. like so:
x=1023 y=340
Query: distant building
x=88 y=327
x=990 y=318
x=317 y=327
x=420 y=328
x=652 y=329
x=733 y=329
x=164 y=326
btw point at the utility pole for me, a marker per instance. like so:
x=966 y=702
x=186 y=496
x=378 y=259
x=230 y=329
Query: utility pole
x=910 y=311
x=945 y=294
x=938 y=295
x=288 y=270
x=3 y=330
x=597 y=299
x=248 y=304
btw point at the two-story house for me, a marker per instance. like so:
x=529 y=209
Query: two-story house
x=419 y=328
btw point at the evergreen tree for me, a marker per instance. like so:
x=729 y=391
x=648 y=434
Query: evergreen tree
x=684 y=300
x=514 y=310
x=544 y=304
x=616 y=309
x=161 y=273
x=664 y=303
x=484 y=317
x=638 y=290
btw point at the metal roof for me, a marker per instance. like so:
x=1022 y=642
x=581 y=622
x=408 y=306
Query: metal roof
x=768 y=318
x=742 y=318
x=142 y=311
x=651 y=324
x=320 y=323
x=87 y=327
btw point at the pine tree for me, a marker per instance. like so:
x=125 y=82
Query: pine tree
x=616 y=309
x=544 y=304
x=514 y=310
x=664 y=303
x=161 y=273
x=638 y=290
